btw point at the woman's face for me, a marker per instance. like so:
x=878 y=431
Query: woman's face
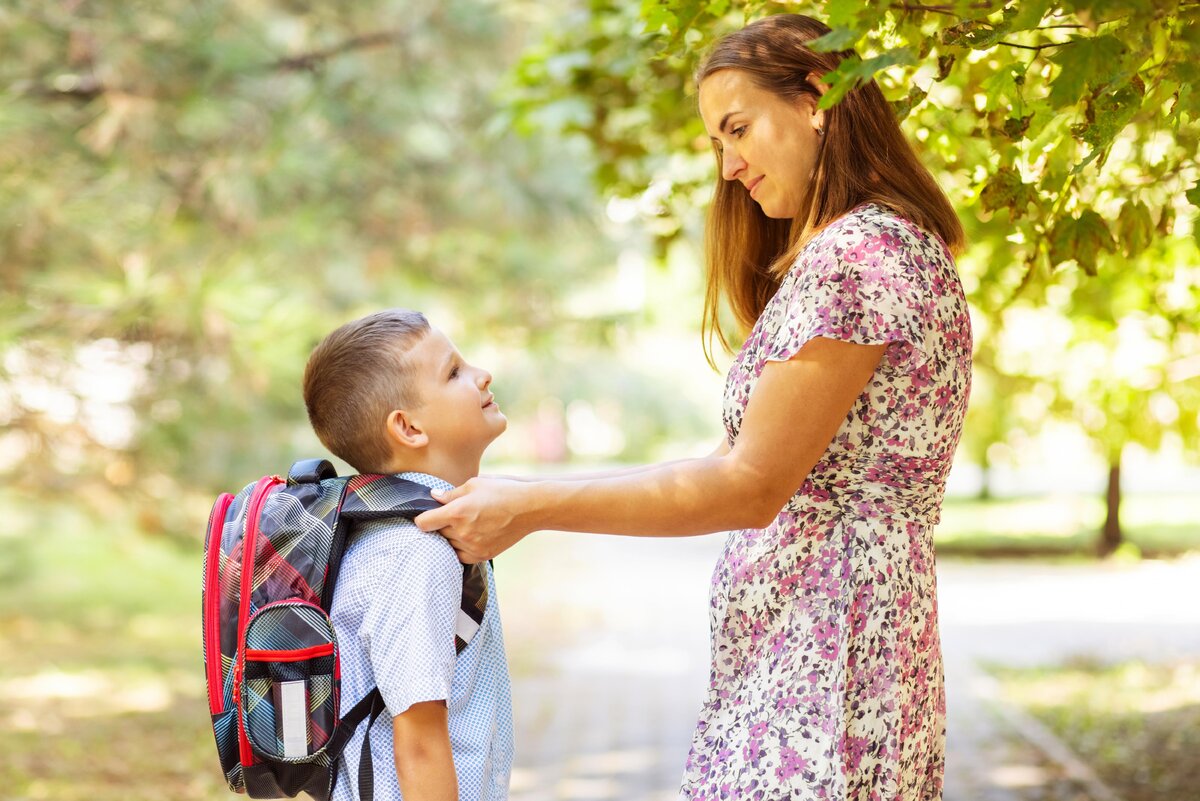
x=767 y=143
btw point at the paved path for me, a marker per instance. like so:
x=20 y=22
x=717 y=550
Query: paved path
x=608 y=637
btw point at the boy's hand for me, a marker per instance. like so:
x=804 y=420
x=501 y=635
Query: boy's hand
x=482 y=518
x=424 y=759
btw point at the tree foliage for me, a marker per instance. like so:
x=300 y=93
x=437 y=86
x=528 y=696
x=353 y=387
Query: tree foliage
x=1078 y=121
x=1065 y=133
x=196 y=192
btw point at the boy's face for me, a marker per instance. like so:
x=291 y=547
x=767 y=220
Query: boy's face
x=454 y=409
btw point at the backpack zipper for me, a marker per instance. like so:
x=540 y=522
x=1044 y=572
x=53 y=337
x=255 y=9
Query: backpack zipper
x=297 y=655
x=259 y=496
x=212 y=604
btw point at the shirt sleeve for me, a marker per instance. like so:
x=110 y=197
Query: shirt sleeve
x=408 y=628
x=863 y=282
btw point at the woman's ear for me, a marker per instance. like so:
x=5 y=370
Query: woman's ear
x=818 y=114
x=404 y=431
x=815 y=80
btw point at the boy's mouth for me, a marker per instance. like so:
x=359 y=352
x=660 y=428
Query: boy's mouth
x=491 y=401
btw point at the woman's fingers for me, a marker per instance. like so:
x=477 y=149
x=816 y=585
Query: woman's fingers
x=445 y=496
x=469 y=551
x=476 y=518
x=436 y=519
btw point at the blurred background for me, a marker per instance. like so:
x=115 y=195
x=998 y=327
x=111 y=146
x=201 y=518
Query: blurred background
x=193 y=193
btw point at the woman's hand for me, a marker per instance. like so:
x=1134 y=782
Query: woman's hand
x=482 y=518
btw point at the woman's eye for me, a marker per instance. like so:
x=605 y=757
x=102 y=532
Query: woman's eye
x=739 y=131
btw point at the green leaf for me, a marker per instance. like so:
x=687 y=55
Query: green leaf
x=975 y=34
x=658 y=16
x=1135 y=228
x=1001 y=88
x=835 y=40
x=1015 y=127
x=1193 y=195
x=1187 y=100
x=1080 y=239
x=853 y=71
x=904 y=106
x=1084 y=61
x=1109 y=113
x=945 y=64
x=1006 y=190
x=1028 y=14
x=842 y=13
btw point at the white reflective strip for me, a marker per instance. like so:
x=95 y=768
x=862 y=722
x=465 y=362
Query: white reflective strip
x=465 y=628
x=293 y=709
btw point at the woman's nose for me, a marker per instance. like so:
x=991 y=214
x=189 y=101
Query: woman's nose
x=731 y=164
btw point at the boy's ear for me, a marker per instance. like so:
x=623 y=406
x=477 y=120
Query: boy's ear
x=404 y=432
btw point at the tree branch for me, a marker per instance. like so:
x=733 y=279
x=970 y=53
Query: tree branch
x=313 y=59
x=86 y=88
x=947 y=10
x=1033 y=47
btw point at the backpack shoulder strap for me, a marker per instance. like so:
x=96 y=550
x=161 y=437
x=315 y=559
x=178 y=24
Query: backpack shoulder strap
x=373 y=497
x=378 y=497
x=370 y=497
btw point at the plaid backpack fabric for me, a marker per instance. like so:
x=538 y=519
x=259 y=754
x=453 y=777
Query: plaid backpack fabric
x=271 y=559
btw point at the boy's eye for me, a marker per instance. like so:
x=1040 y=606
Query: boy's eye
x=454 y=372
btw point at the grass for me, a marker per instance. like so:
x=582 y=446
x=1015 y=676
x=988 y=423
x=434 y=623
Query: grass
x=100 y=630
x=1066 y=525
x=102 y=680
x=1137 y=725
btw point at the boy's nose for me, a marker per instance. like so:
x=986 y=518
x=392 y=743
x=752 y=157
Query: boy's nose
x=485 y=379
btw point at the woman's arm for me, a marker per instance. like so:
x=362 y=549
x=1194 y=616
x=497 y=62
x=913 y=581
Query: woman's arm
x=615 y=472
x=795 y=410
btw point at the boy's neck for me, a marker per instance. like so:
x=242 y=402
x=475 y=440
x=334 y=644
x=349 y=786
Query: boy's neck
x=452 y=471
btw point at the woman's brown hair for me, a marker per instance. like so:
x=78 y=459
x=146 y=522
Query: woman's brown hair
x=865 y=157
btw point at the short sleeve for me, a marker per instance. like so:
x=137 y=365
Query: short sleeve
x=859 y=282
x=408 y=628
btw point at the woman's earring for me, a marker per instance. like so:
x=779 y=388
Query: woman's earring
x=820 y=131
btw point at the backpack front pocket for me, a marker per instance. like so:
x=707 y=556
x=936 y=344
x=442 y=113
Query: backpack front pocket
x=289 y=681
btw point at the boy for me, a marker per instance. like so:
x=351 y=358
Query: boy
x=390 y=394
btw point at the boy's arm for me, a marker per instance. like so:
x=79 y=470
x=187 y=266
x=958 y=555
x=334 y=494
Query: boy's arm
x=424 y=761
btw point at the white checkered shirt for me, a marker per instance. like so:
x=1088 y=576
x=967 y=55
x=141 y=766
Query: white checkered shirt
x=394 y=611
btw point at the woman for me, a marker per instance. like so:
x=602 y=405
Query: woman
x=833 y=246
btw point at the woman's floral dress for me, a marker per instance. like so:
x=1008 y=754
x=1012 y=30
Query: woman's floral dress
x=826 y=662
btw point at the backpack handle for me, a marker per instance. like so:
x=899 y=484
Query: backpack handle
x=310 y=471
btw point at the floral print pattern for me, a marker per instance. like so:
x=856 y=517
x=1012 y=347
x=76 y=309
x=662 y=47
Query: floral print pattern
x=826 y=675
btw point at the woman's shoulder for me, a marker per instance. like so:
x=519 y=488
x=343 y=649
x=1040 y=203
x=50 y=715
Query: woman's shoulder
x=866 y=220
x=868 y=228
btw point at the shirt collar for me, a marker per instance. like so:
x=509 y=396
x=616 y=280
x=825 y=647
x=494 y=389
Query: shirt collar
x=426 y=480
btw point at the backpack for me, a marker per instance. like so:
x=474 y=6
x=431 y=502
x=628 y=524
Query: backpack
x=272 y=554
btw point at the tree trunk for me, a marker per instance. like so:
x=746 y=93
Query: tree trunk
x=985 y=480
x=1111 y=536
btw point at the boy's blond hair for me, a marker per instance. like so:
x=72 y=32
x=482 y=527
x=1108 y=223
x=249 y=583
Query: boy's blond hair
x=356 y=377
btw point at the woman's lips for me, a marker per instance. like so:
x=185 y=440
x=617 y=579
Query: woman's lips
x=754 y=184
